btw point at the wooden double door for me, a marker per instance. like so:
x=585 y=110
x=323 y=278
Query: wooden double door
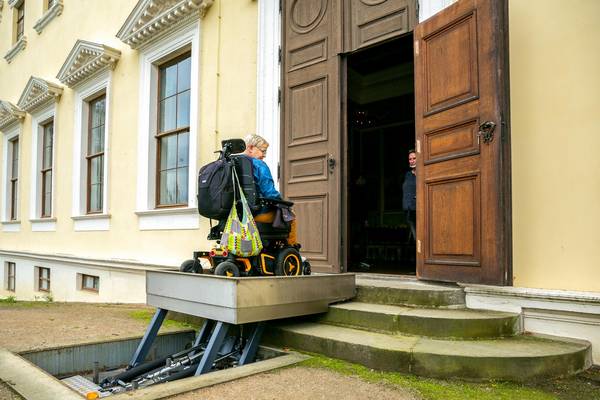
x=463 y=178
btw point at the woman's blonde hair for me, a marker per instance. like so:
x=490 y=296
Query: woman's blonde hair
x=256 y=141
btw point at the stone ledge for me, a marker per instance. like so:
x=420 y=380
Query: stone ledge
x=16 y=49
x=48 y=16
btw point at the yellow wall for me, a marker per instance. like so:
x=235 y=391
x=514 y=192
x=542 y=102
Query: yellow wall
x=227 y=109
x=555 y=110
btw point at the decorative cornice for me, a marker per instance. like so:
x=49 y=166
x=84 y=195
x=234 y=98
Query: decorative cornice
x=9 y=113
x=150 y=19
x=17 y=47
x=85 y=60
x=14 y=3
x=48 y=16
x=37 y=92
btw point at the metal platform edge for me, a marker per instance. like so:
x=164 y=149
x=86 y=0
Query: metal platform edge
x=248 y=299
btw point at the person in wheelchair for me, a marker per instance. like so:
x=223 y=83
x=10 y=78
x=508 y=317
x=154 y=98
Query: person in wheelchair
x=256 y=150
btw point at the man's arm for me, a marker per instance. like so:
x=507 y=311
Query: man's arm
x=264 y=180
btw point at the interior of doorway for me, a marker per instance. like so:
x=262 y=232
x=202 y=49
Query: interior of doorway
x=381 y=131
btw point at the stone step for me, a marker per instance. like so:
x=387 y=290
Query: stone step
x=408 y=291
x=432 y=322
x=519 y=358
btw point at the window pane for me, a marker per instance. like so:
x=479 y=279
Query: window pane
x=184 y=74
x=168 y=114
x=168 y=152
x=182 y=185
x=183 y=149
x=183 y=109
x=168 y=82
x=97 y=140
x=96 y=198
x=47 y=157
x=168 y=187
x=96 y=170
x=98 y=112
x=15 y=159
x=47 y=205
x=48 y=132
x=48 y=182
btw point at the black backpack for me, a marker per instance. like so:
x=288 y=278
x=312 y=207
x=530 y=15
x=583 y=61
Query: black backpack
x=215 y=186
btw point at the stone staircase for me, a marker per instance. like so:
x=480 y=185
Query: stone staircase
x=401 y=324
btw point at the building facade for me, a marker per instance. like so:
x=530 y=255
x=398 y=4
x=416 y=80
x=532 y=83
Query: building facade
x=109 y=108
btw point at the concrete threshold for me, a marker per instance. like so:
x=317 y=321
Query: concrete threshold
x=33 y=383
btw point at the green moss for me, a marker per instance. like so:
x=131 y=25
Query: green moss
x=146 y=316
x=432 y=389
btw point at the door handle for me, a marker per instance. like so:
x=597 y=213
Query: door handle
x=486 y=131
x=331 y=163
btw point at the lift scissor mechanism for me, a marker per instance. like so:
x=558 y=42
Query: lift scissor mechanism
x=235 y=312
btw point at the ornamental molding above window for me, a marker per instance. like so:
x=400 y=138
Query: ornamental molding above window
x=15 y=3
x=17 y=47
x=48 y=16
x=9 y=113
x=150 y=19
x=85 y=60
x=37 y=93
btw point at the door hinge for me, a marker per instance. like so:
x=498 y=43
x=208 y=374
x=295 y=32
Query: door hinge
x=418 y=246
x=279 y=55
x=416 y=47
x=278 y=172
x=279 y=95
x=418 y=146
x=280 y=5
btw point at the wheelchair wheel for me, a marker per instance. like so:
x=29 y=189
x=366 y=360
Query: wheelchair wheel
x=191 y=266
x=289 y=262
x=227 y=268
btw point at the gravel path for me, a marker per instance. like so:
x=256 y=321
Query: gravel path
x=299 y=383
x=29 y=326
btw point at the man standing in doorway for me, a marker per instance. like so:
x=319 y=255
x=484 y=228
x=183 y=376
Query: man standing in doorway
x=409 y=193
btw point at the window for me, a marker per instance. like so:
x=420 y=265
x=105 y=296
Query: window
x=46 y=168
x=89 y=282
x=11 y=270
x=14 y=178
x=20 y=20
x=95 y=155
x=173 y=132
x=43 y=279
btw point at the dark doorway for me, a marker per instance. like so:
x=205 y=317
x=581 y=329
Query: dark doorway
x=381 y=131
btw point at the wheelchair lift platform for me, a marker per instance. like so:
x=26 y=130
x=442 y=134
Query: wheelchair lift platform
x=235 y=311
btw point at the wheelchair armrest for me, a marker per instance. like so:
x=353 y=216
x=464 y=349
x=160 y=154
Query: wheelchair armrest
x=273 y=202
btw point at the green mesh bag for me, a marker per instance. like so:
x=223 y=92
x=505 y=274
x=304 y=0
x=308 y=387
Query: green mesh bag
x=241 y=237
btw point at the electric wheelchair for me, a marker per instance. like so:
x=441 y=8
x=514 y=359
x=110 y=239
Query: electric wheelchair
x=277 y=257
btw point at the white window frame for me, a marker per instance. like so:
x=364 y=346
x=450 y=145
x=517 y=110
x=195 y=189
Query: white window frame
x=186 y=38
x=37 y=272
x=268 y=81
x=10 y=134
x=38 y=119
x=7 y=278
x=85 y=92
